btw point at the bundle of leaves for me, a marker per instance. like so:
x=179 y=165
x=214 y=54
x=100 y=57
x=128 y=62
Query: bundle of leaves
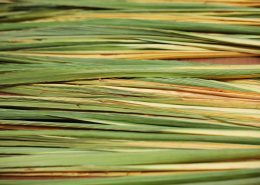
x=94 y=93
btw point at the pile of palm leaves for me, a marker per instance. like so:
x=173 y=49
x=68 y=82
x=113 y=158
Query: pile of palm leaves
x=94 y=91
